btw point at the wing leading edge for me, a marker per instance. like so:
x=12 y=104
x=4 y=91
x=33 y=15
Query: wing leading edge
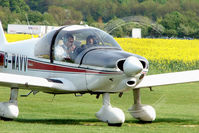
x=37 y=83
x=169 y=78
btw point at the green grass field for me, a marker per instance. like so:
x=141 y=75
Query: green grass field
x=177 y=108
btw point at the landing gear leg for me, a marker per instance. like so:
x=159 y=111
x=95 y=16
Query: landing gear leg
x=141 y=112
x=113 y=116
x=9 y=110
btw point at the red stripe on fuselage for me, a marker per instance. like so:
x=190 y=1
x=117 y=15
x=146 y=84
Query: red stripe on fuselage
x=52 y=67
x=1 y=59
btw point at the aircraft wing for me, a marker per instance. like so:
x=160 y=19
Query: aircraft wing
x=169 y=78
x=48 y=85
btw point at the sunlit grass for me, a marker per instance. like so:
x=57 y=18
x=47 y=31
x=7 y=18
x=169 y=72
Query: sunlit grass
x=176 y=107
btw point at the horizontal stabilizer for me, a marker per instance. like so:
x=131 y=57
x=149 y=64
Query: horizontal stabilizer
x=169 y=78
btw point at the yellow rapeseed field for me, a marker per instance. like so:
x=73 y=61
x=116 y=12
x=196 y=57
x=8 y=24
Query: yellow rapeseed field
x=18 y=37
x=186 y=51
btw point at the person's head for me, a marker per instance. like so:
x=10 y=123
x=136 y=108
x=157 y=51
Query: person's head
x=69 y=39
x=90 y=40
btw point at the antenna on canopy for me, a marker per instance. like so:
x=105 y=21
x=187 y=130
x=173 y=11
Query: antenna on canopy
x=29 y=25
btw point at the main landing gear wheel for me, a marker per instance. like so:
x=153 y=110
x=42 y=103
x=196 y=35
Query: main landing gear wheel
x=113 y=116
x=144 y=113
x=9 y=110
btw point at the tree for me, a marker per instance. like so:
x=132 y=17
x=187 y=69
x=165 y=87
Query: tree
x=40 y=5
x=90 y=19
x=35 y=16
x=49 y=20
x=172 y=22
x=5 y=3
x=60 y=14
x=180 y=25
x=191 y=5
x=17 y=6
x=160 y=1
x=149 y=8
x=169 y=7
x=6 y=16
x=74 y=16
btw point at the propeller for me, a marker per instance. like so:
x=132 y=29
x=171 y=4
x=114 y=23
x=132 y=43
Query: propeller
x=132 y=66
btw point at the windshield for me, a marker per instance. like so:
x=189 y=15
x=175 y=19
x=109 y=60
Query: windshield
x=70 y=43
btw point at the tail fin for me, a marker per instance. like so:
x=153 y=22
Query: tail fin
x=2 y=35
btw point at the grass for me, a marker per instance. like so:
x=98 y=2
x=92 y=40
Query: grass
x=176 y=107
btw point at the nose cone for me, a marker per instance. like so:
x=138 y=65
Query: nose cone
x=132 y=66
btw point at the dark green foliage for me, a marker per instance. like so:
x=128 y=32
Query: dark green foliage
x=17 y=6
x=180 y=18
x=180 y=25
x=160 y=1
x=35 y=16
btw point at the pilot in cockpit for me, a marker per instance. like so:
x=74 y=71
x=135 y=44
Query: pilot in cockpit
x=65 y=51
x=70 y=47
x=91 y=40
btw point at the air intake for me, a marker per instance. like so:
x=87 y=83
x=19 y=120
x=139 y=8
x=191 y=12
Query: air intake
x=120 y=64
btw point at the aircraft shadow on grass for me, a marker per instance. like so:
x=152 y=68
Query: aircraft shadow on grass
x=58 y=121
x=83 y=121
x=163 y=120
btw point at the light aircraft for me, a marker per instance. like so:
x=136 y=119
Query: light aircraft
x=99 y=66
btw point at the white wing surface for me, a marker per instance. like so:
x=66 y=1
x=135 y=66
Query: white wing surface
x=37 y=83
x=169 y=78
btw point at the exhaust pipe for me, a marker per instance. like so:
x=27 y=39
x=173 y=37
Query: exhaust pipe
x=131 y=83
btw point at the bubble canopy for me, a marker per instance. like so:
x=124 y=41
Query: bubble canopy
x=71 y=41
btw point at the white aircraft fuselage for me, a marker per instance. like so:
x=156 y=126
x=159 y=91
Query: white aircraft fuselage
x=85 y=74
